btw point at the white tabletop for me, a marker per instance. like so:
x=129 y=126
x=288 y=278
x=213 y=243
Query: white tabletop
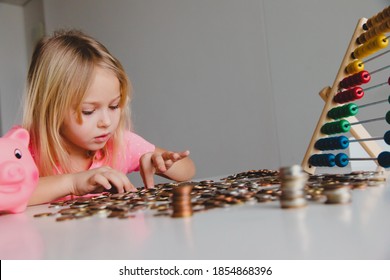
x=358 y=230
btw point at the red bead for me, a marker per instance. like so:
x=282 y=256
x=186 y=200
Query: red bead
x=362 y=77
x=349 y=95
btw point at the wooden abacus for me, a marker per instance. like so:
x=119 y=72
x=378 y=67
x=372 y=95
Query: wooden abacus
x=367 y=39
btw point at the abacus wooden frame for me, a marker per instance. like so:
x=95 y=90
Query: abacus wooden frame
x=327 y=94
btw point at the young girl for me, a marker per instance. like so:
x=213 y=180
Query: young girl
x=76 y=111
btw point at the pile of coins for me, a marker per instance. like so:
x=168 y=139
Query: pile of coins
x=181 y=201
x=254 y=186
x=337 y=193
x=292 y=186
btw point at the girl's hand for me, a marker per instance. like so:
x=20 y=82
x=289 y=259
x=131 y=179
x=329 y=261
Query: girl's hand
x=100 y=179
x=158 y=162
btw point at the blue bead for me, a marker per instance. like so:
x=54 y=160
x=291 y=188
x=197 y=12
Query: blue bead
x=322 y=160
x=342 y=160
x=384 y=159
x=343 y=142
x=332 y=143
x=387 y=137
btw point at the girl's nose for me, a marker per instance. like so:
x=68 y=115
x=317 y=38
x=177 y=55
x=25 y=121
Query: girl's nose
x=105 y=119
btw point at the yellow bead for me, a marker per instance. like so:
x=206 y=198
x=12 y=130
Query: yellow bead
x=380 y=42
x=371 y=46
x=354 y=67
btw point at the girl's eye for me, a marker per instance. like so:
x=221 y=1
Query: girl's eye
x=114 y=107
x=86 y=113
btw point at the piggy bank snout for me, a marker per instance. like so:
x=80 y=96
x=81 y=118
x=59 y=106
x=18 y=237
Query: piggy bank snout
x=11 y=172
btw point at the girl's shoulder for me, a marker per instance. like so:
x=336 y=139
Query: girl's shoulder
x=136 y=146
x=134 y=141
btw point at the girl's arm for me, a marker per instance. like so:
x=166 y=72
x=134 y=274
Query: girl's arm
x=172 y=165
x=95 y=180
x=51 y=188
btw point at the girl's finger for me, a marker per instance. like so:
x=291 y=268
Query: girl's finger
x=147 y=171
x=167 y=156
x=169 y=163
x=159 y=163
x=115 y=180
x=175 y=156
x=184 y=154
x=127 y=185
x=100 y=180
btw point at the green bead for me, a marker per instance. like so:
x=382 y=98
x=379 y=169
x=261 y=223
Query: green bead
x=344 y=111
x=336 y=127
x=352 y=109
x=345 y=126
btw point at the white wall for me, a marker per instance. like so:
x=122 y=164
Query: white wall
x=13 y=64
x=34 y=25
x=200 y=73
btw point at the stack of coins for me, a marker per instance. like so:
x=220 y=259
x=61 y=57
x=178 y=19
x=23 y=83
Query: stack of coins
x=292 y=187
x=337 y=193
x=181 y=201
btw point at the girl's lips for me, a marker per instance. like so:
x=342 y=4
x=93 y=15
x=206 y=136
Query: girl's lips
x=102 y=138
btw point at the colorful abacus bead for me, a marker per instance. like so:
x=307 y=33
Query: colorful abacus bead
x=340 y=126
x=382 y=28
x=341 y=160
x=349 y=95
x=377 y=19
x=387 y=137
x=362 y=77
x=372 y=46
x=384 y=159
x=344 y=111
x=354 y=67
x=332 y=143
x=322 y=160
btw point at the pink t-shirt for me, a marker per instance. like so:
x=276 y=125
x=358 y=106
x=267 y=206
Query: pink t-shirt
x=136 y=146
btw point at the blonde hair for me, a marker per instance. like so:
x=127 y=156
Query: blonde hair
x=58 y=78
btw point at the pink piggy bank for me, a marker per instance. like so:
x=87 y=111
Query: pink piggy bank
x=18 y=172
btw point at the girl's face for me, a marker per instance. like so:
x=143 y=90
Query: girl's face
x=100 y=113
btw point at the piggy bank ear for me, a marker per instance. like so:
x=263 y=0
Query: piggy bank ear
x=19 y=134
